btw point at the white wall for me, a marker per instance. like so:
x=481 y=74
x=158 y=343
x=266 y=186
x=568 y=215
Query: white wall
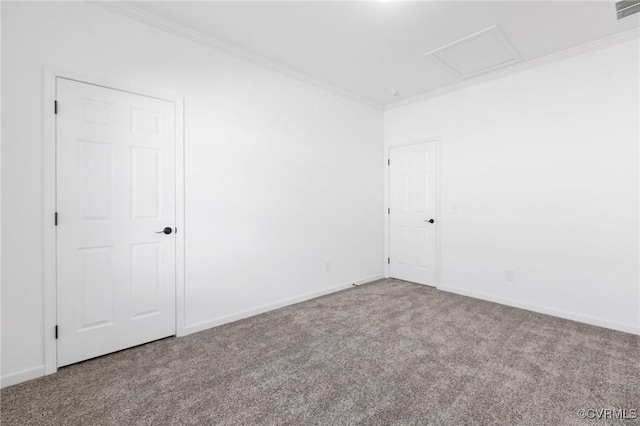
x=281 y=176
x=543 y=166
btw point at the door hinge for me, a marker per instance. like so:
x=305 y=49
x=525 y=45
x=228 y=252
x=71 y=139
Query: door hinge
x=55 y=107
x=388 y=211
x=388 y=161
x=56 y=332
x=388 y=260
x=55 y=219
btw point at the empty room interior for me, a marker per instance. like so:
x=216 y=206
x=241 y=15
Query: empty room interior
x=320 y=212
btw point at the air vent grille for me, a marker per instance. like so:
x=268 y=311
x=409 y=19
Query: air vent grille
x=627 y=8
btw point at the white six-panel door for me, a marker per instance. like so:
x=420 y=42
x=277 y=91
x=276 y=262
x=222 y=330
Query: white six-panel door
x=115 y=185
x=412 y=202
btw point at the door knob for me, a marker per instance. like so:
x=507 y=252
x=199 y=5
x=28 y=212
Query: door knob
x=166 y=230
x=430 y=220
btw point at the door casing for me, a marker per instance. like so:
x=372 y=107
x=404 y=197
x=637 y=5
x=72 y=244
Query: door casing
x=387 y=201
x=49 y=172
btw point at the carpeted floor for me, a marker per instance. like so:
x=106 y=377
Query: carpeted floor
x=389 y=352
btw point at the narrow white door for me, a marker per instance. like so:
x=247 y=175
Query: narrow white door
x=412 y=215
x=115 y=194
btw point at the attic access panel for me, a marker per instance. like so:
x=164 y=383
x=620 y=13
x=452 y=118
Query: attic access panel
x=477 y=53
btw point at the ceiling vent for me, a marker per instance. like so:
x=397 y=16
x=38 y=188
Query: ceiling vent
x=477 y=53
x=627 y=8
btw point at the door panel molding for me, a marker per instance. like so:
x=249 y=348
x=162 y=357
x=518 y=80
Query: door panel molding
x=435 y=139
x=50 y=75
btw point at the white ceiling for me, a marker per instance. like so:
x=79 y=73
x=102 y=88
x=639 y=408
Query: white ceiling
x=368 y=47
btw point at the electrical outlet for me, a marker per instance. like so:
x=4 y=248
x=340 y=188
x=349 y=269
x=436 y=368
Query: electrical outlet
x=327 y=266
x=508 y=275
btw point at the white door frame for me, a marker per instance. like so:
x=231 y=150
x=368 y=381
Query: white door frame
x=387 y=200
x=49 y=182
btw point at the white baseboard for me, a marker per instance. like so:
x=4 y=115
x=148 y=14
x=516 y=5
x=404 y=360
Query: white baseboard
x=543 y=310
x=39 y=371
x=22 y=376
x=204 y=325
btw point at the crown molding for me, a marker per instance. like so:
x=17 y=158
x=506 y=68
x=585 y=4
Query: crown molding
x=130 y=11
x=137 y=14
x=523 y=66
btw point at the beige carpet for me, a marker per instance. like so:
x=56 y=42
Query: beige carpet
x=390 y=352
